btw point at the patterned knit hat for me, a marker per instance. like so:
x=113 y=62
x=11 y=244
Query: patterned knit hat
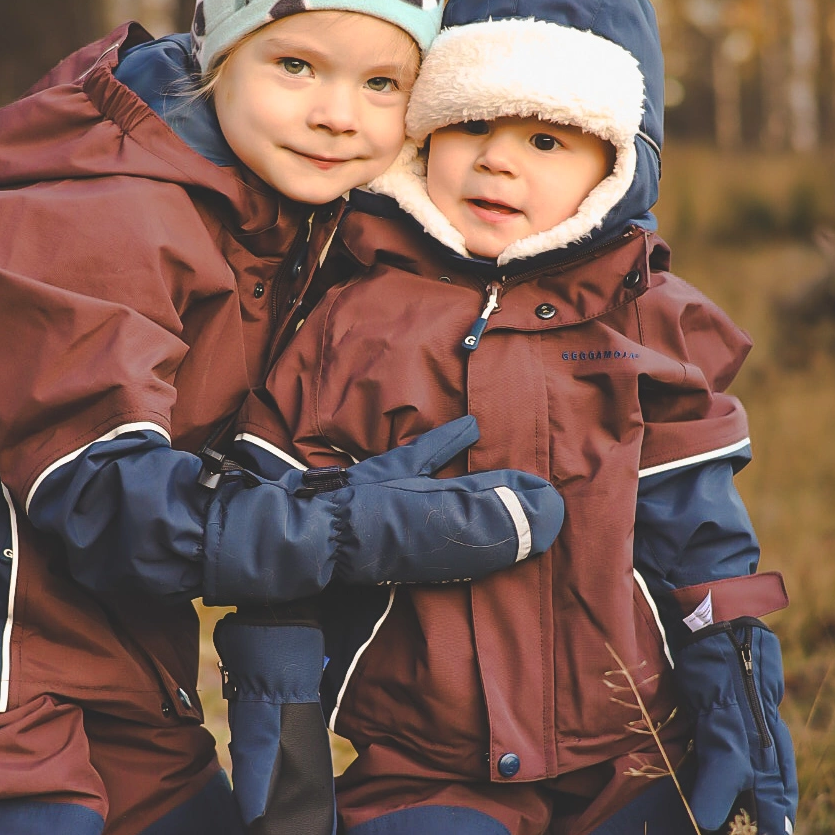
x=218 y=24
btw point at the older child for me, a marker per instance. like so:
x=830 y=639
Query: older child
x=157 y=246
x=521 y=280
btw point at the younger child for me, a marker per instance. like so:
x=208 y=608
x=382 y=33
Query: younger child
x=521 y=280
x=157 y=247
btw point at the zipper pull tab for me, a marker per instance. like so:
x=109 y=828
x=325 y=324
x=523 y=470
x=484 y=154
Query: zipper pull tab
x=472 y=339
x=747 y=658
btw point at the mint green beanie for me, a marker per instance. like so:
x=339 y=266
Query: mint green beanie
x=218 y=24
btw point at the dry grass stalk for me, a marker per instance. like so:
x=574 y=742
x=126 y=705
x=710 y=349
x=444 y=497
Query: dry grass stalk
x=742 y=825
x=651 y=726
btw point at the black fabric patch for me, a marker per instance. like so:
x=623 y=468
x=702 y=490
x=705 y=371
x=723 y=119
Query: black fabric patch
x=284 y=8
x=199 y=25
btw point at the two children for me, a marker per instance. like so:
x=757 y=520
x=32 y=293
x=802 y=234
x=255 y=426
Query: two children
x=510 y=269
x=157 y=248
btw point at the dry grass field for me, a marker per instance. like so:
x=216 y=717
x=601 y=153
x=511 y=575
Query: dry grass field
x=742 y=230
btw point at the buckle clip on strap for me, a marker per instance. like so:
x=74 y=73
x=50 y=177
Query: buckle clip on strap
x=322 y=480
x=216 y=465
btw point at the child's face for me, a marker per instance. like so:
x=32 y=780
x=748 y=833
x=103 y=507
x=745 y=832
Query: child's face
x=315 y=103
x=500 y=181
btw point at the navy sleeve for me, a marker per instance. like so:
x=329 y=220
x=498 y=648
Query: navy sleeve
x=692 y=527
x=131 y=513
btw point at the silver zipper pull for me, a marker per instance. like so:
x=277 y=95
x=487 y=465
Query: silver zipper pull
x=747 y=658
x=472 y=339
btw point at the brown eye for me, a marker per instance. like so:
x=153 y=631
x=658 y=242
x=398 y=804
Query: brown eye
x=544 y=142
x=476 y=128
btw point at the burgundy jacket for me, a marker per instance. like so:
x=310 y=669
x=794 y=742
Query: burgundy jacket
x=141 y=285
x=590 y=373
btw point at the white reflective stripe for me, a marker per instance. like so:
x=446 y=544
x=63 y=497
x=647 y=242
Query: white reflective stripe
x=346 y=454
x=523 y=530
x=5 y=647
x=695 y=459
x=356 y=658
x=789 y=827
x=273 y=450
x=110 y=436
x=648 y=597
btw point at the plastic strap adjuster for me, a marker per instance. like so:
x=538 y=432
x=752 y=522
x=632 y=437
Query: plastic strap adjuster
x=322 y=480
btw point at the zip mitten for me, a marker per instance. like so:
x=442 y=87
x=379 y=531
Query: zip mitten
x=730 y=677
x=383 y=520
x=282 y=774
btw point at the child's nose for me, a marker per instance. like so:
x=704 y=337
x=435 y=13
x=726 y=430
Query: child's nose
x=498 y=155
x=335 y=111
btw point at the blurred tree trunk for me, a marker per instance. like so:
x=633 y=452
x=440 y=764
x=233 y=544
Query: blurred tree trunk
x=35 y=36
x=727 y=95
x=184 y=14
x=773 y=77
x=805 y=67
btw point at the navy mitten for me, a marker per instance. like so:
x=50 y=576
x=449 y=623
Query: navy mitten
x=282 y=774
x=730 y=676
x=384 y=520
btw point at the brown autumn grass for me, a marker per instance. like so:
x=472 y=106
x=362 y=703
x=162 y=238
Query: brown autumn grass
x=741 y=230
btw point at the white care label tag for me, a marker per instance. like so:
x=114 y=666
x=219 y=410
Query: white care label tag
x=702 y=615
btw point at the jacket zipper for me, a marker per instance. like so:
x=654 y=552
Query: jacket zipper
x=496 y=288
x=746 y=663
x=472 y=339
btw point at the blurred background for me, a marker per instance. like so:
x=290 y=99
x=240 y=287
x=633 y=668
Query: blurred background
x=748 y=205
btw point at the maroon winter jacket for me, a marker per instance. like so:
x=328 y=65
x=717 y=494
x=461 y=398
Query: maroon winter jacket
x=589 y=373
x=140 y=285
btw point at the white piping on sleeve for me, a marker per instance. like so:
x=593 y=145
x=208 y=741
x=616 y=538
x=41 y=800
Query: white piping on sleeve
x=273 y=450
x=523 y=529
x=695 y=459
x=5 y=647
x=356 y=658
x=648 y=597
x=110 y=436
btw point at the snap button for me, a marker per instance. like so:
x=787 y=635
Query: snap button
x=183 y=697
x=509 y=765
x=259 y=290
x=546 y=311
x=167 y=709
x=297 y=268
x=631 y=279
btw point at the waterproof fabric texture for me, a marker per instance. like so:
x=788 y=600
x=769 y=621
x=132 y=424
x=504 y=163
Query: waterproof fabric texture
x=281 y=761
x=389 y=523
x=731 y=678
